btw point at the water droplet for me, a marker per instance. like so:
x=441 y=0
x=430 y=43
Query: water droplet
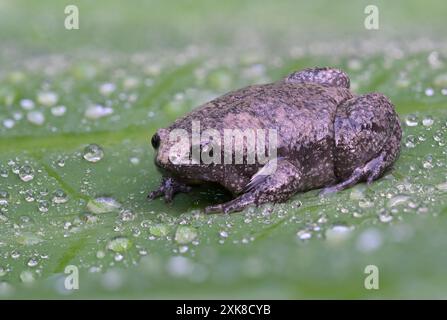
x=427 y=121
x=223 y=234
x=134 y=160
x=4 y=197
x=119 y=244
x=36 y=117
x=93 y=153
x=4 y=173
x=59 y=196
x=3 y=271
x=369 y=240
x=26 y=173
x=9 y=123
x=43 y=206
x=97 y=111
x=304 y=234
x=127 y=215
x=103 y=205
x=385 y=217
x=60 y=162
x=442 y=186
x=159 y=230
x=180 y=266
x=58 y=111
x=411 y=120
x=338 y=233
x=26 y=276
x=47 y=98
x=427 y=163
x=32 y=262
x=27 y=104
x=107 y=88
x=398 y=200
x=410 y=141
x=185 y=234
x=29 y=239
x=429 y=92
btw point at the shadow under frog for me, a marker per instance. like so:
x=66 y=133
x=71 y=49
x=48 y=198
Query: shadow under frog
x=327 y=137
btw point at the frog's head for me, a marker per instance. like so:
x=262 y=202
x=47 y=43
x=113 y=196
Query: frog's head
x=179 y=154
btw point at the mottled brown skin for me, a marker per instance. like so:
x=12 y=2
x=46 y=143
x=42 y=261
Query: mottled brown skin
x=327 y=137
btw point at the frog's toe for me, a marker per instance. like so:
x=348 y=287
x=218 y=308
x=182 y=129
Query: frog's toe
x=235 y=205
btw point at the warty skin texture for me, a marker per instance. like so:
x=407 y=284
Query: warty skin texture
x=327 y=137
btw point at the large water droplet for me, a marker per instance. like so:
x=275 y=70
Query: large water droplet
x=185 y=234
x=159 y=230
x=119 y=244
x=26 y=173
x=4 y=197
x=103 y=205
x=93 y=153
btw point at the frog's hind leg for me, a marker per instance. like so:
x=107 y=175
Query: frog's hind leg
x=367 y=140
x=276 y=182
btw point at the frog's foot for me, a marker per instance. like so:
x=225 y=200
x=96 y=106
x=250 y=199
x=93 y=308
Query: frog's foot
x=328 y=76
x=371 y=171
x=168 y=188
x=277 y=181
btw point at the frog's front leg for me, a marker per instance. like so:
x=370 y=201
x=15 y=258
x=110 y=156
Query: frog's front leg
x=277 y=181
x=168 y=188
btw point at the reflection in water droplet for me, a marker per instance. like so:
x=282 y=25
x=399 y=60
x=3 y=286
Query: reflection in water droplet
x=411 y=120
x=93 y=153
x=4 y=197
x=410 y=141
x=32 y=262
x=43 y=206
x=59 y=196
x=26 y=173
x=427 y=121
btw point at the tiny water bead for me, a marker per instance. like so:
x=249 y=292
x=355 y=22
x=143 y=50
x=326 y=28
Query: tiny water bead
x=27 y=104
x=4 y=197
x=411 y=120
x=93 y=153
x=43 y=206
x=26 y=173
x=9 y=123
x=428 y=121
x=59 y=196
x=107 y=88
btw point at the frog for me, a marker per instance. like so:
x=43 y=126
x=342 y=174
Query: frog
x=328 y=138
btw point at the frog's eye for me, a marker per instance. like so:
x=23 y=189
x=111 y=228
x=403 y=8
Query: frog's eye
x=155 y=141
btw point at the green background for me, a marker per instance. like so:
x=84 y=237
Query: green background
x=161 y=59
